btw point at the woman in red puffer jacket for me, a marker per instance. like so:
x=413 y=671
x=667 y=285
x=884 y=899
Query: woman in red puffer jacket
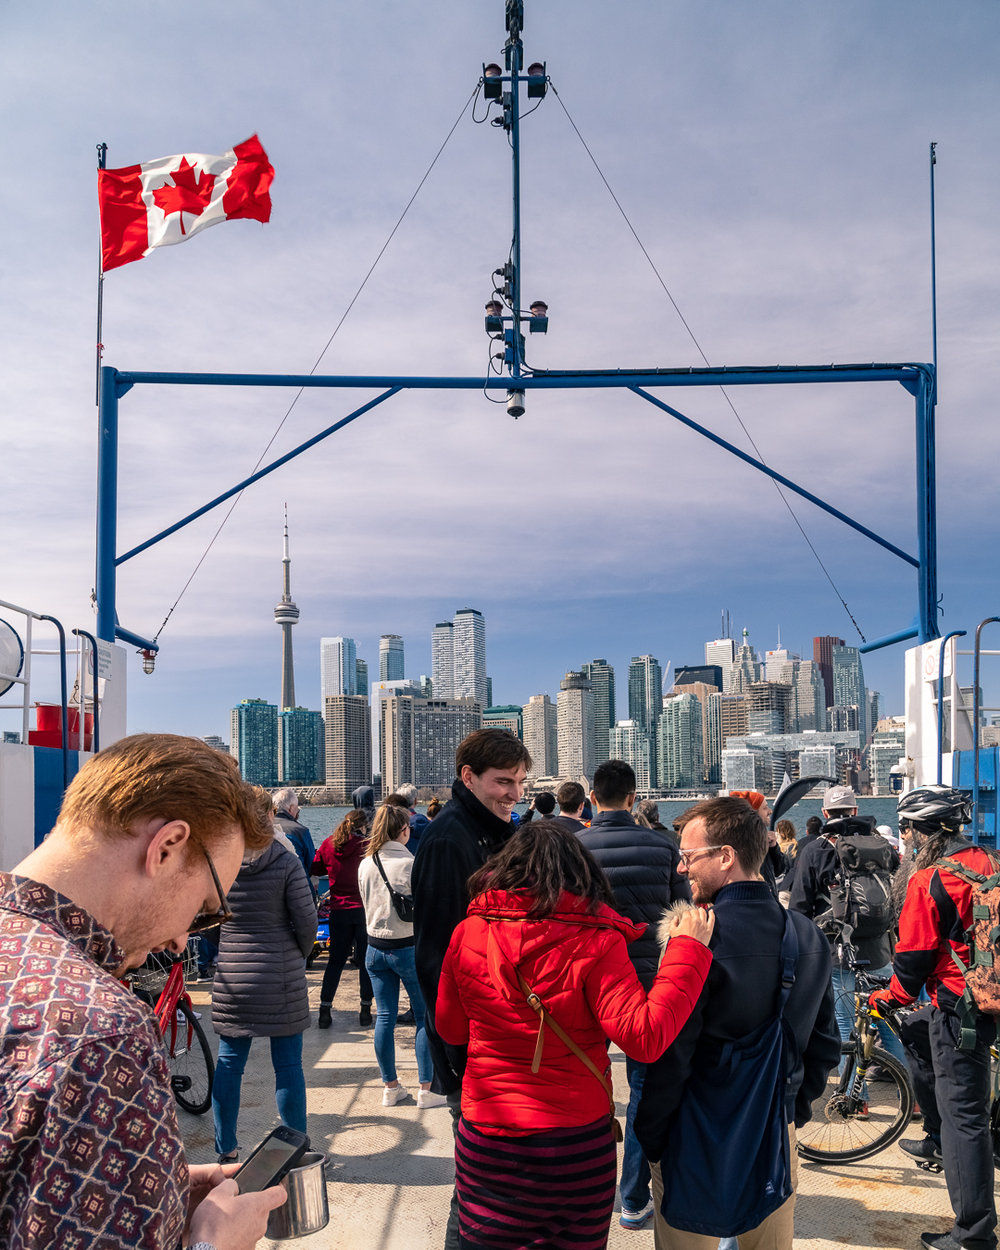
x=535 y=1158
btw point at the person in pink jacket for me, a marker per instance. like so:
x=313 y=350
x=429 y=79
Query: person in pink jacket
x=535 y=1158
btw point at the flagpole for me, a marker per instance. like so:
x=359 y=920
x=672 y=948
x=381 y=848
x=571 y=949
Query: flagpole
x=102 y=162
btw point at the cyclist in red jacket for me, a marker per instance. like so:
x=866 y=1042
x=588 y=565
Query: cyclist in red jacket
x=951 y=1083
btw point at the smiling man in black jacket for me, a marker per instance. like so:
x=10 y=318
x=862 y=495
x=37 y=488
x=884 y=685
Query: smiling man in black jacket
x=491 y=765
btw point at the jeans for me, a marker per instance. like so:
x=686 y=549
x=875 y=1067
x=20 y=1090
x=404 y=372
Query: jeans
x=843 y=991
x=289 y=1085
x=347 y=929
x=635 y=1167
x=387 y=968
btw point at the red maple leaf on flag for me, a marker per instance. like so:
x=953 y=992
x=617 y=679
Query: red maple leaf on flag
x=189 y=193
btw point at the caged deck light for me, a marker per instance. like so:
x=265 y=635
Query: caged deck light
x=148 y=661
x=538 y=322
x=537 y=80
x=494 y=322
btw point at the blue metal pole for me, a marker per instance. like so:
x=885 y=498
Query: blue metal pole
x=955 y=633
x=933 y=269
x=778 y=477
x=926 y=510
x=515 y=49
x=107 y=503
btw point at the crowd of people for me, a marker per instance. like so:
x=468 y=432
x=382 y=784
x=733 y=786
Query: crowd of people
x=716 y=954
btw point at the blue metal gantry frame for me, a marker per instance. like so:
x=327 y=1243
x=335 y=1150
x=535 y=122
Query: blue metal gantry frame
x=503 y=90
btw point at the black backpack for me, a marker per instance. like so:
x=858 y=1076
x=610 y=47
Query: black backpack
x=861 y=893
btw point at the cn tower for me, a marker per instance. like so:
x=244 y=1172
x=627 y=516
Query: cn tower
x=286 y=614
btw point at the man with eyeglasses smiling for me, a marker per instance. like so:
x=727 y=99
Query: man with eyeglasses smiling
x=700 y=1197
x=150 y=837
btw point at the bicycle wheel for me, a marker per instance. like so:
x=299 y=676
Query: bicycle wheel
x=192 y=1068
x=854 y=1118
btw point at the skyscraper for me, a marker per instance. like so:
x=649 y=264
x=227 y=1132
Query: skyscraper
x=286 y=614
x=361 y=676
x=680 y=758
x=420 y=737
x=469 y=649
x=300 y=747
x=338 y=668
x=721 y=651
x=823 y=655
x=575 y=727
x=253 y=736
x=628 y=741
x=443 y=659
x=541 y=735
x=348 y=743
x=645 y=691
x=390 y=658
x=849 y=684
x=602 y=681
x=745 y=669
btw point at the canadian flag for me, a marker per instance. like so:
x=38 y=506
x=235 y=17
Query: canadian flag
x=169 y=200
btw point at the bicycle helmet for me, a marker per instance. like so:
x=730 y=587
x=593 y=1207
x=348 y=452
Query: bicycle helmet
x=932 y=808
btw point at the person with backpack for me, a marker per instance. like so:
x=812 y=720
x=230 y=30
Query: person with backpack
x=716 y=1107
x=948 y=1042
x=843 y=881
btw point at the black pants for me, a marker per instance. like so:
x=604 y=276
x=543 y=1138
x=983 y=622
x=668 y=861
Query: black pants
x=347 y=929
x=953 y=1089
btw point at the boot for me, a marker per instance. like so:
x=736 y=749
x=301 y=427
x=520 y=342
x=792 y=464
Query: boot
x=365 y=1015
x=324 y=1021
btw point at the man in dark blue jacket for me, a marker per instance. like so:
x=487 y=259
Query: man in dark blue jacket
x=723 y=843
x=642 y=866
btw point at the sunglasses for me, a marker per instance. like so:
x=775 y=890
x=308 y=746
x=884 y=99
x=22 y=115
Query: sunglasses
x=208 y=919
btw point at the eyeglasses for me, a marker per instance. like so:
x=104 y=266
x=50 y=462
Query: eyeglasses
x=699 y=852
x=209 y=919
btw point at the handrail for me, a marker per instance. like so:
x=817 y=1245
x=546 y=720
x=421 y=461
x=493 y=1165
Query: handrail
x=977 y=652
x=82 y=633
x=64 y=710
x=955 y=633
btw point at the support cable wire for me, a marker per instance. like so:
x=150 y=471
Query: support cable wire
x=698 y=348
x=319 y=358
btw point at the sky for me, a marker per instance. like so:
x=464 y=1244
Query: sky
x=772 y=158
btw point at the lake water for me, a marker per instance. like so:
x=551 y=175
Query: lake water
x=321 y=821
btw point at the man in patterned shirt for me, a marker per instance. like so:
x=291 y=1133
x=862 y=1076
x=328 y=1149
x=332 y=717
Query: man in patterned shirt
x=150 y=836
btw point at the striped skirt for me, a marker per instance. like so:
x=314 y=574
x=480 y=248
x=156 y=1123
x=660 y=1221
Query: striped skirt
x=554 y=1189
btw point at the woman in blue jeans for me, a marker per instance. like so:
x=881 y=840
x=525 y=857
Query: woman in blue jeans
x=260 y=988
x=389 y=959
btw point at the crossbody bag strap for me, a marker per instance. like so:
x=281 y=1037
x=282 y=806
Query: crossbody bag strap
x=378 y=865
x=545 y=1017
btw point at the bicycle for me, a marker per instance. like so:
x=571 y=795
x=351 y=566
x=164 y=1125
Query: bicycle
x=869 y=1103
x=192 y=1067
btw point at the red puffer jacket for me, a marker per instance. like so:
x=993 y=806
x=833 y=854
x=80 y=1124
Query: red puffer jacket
x=578 y=965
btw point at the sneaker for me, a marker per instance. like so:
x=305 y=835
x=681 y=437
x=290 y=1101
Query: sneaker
x=392 y=1094
x=427 y=1098
x=406 y=1017
x=182 y=1018
x=365 y=1015
x=926 y=1148
x=232 y=1157
x=636 y=1219
x=324 y=1020
x=863 y=1112
x=939 y=1241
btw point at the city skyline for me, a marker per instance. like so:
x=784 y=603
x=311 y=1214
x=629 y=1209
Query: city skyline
x=594 y=525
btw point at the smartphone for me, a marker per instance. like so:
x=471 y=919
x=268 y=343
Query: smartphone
x=276 y=1155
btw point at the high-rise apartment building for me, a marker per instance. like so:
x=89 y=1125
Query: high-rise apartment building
x=710 y=744
x=575 y=727
x=721 y=652
x=301 y=747
x=602 y=681
x=348 y=743
x=253 y=734
x=390 y=658
x=849 y=684
x=338 y=668
x=286 y=614
x=443 y=659
x=213 y=740
x=507 y=716
x=823 y=656
x=420 y=738
x=645 y=692
x=541 y=735
x=630 y=742
x=469 y=649
x=680 y=754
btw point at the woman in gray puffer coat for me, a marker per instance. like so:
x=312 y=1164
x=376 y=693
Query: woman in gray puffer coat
x=260 y=987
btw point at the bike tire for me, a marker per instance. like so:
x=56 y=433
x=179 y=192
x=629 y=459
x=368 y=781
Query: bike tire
x=192 y=1068
x=836 y=1134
